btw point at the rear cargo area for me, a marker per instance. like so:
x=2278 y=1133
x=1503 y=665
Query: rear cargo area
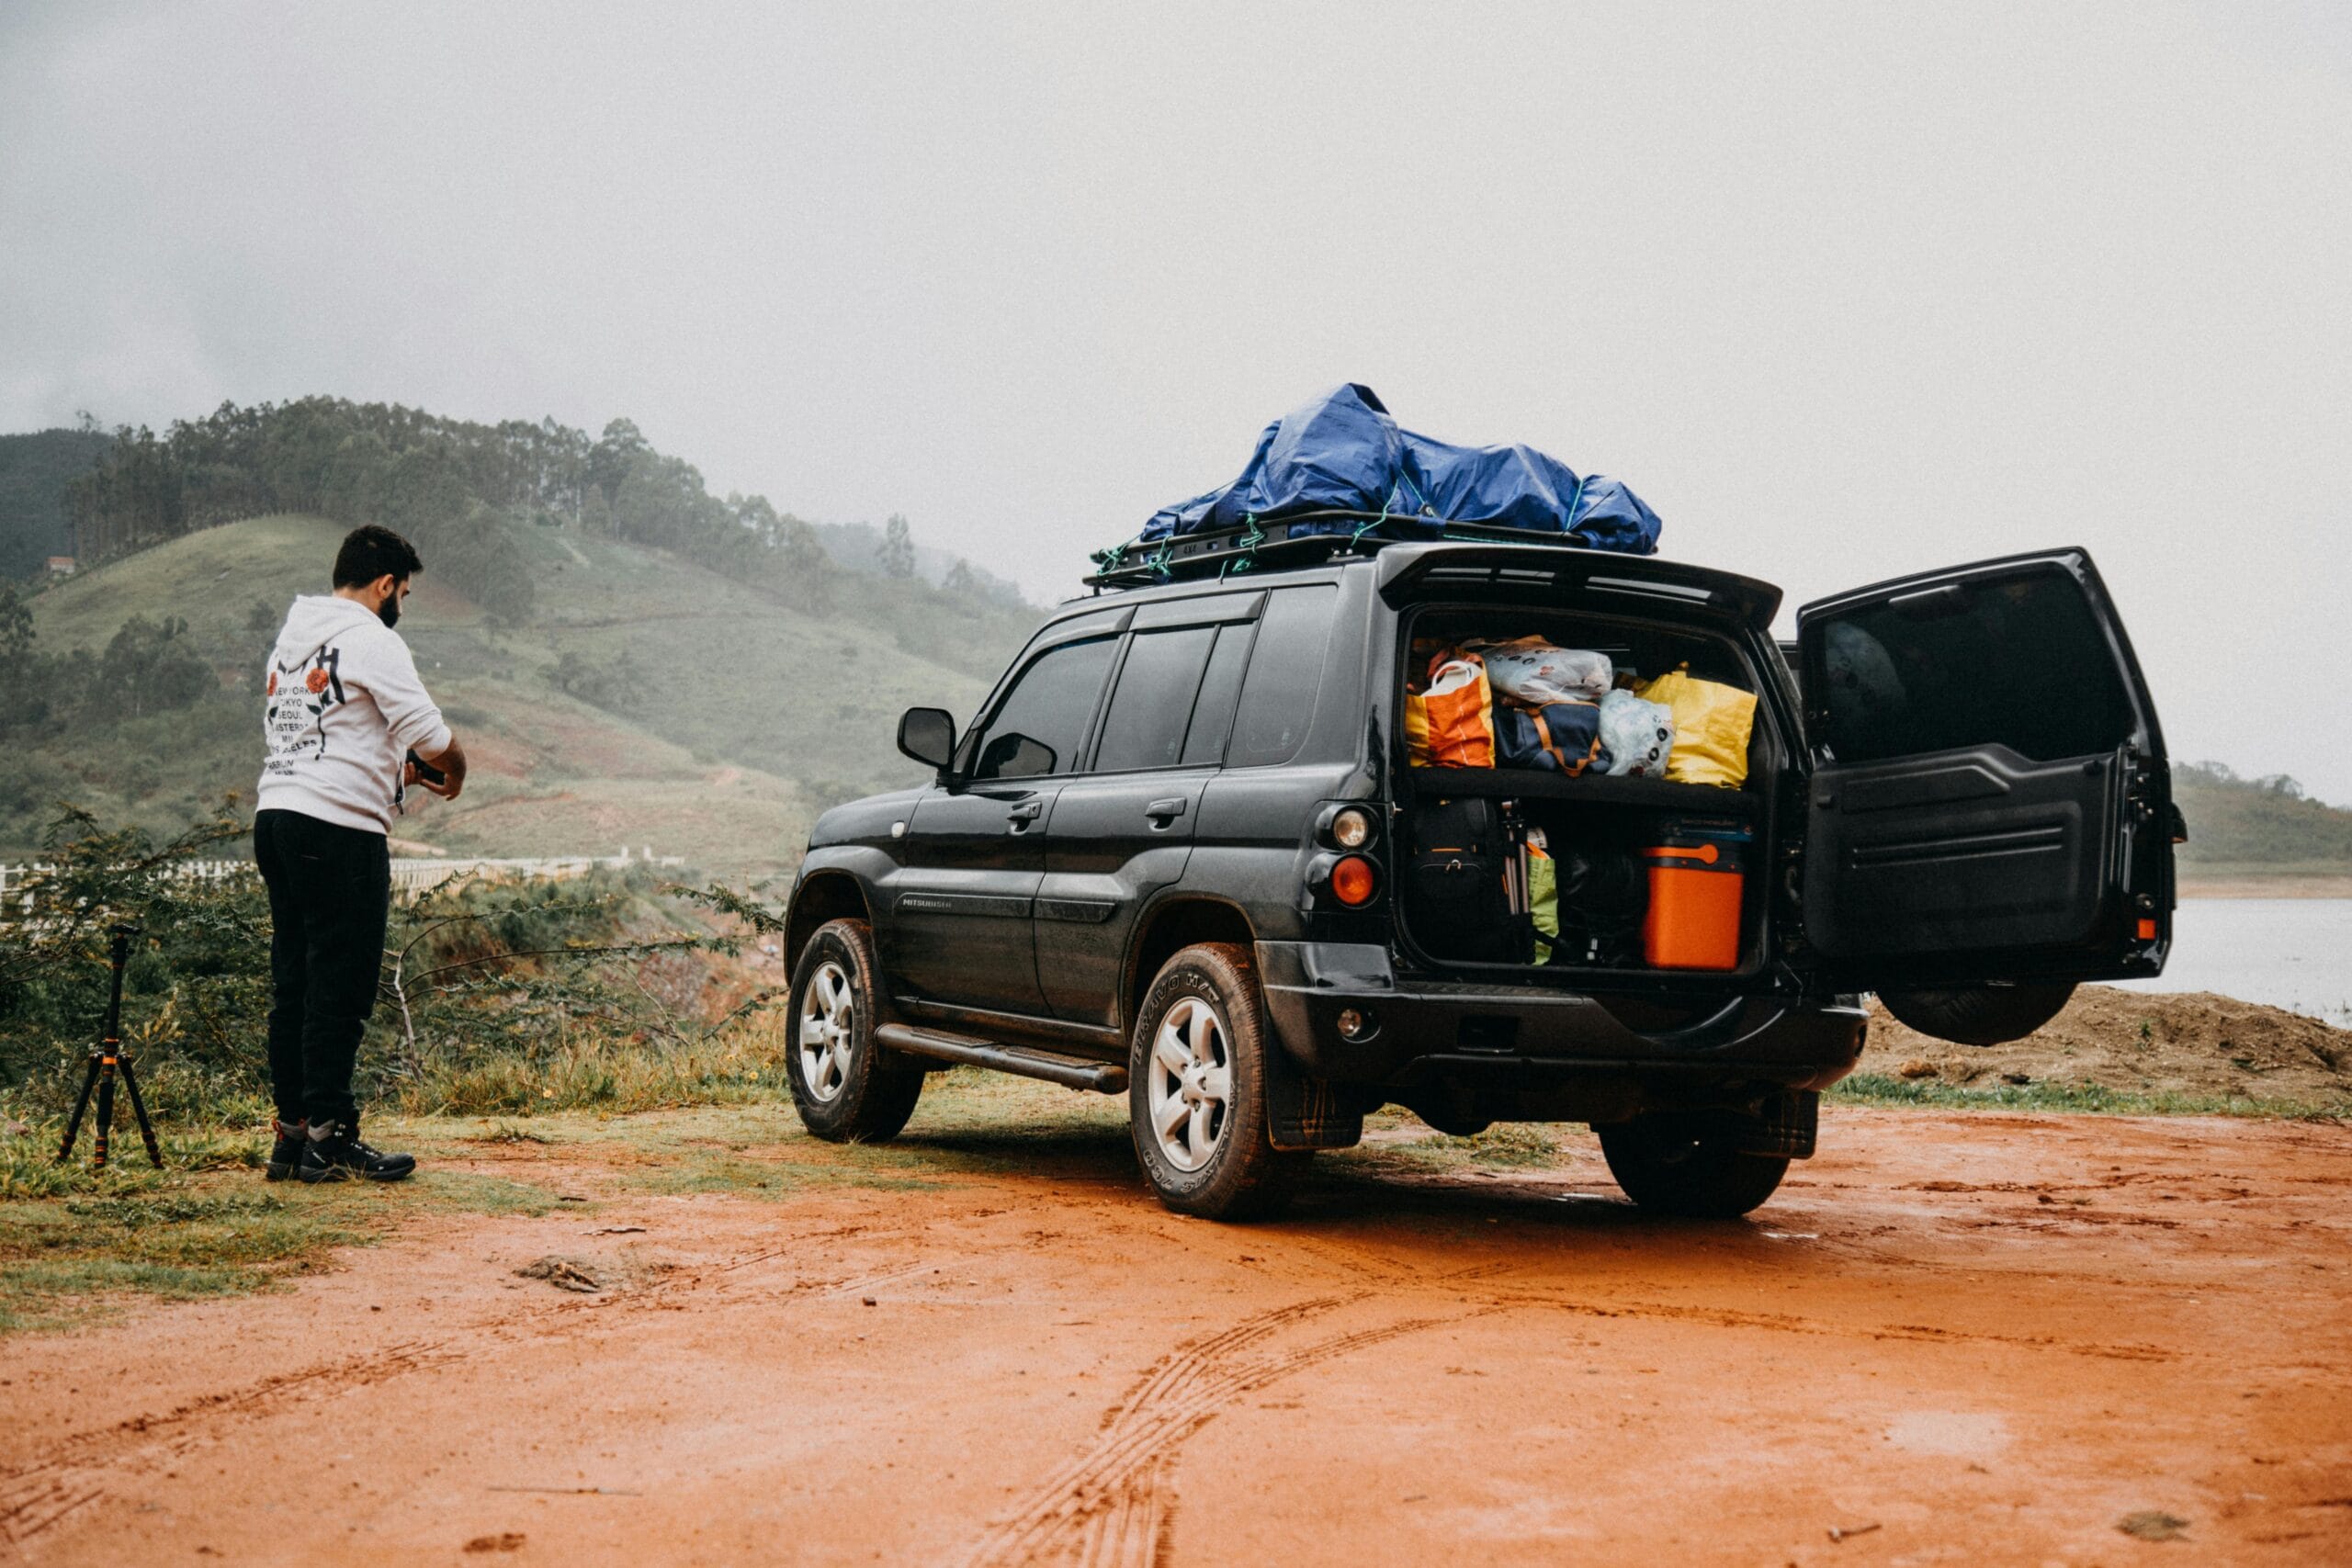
x=1582 y=794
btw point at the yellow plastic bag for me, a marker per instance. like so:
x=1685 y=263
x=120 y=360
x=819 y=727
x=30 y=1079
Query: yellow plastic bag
x=1712 y=724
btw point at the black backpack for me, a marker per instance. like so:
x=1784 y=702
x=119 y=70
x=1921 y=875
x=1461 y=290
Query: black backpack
x=1459 y=899
x=1604 y=892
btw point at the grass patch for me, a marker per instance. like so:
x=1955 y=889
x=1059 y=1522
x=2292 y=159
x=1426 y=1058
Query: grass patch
x=968 y=1121
x=1397 y=1144
x=1877 y=1088
x=508 y=1133
x=73 y=1240
x=597 y=1072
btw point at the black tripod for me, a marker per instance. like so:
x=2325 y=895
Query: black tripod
x=104 y=1057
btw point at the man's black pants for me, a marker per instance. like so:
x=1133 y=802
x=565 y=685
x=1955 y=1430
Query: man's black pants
x=330 y=894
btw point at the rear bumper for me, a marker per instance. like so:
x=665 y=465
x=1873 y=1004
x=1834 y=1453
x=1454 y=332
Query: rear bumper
x=1510 y=1039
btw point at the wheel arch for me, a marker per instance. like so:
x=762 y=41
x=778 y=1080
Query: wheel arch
x=1166 y=930
x=822 y=896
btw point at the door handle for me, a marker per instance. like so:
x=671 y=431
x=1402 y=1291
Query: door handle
x=1018 y=817
x=1163 y=812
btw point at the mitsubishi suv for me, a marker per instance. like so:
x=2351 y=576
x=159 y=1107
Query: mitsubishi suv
x=1183 y=852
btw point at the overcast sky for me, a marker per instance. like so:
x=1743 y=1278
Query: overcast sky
x=1842 y=292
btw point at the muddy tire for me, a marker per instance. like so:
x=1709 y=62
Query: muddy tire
x=1196 y=1090
x=1979 y=1015
x=848 y=1089
x=1669 y=1167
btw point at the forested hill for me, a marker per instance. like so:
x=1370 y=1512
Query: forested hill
x=644 y=700
x=2257 y=826
x=640 y=661
x=34 y=471
x=460 y=488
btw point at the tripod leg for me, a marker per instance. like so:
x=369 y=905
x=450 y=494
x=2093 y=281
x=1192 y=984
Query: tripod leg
x=139 y=1105
x=104 y=1123
x=81 y=1104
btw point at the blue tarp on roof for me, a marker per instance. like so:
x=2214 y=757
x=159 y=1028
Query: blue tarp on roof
x=1343 y=452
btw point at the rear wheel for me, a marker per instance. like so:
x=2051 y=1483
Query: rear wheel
x=846 y=1087
x=1196 y=1090
x=1671 y=1165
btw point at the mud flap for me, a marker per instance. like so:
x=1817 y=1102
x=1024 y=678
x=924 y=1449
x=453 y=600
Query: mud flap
x=1306 y=1113
x=1784 y=1125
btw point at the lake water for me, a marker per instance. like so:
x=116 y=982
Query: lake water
x=2289 y=953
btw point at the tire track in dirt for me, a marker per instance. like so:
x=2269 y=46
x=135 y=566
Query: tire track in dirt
x=1112 y=1505
x=36 y=1497
x=1110 y=1495
x=1731 y=1317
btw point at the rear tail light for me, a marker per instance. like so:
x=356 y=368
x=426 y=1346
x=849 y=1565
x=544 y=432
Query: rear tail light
x=1354 y=881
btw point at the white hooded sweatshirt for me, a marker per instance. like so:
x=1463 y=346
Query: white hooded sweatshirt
x=342 y=707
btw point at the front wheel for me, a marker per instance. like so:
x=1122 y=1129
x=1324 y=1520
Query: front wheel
x=845 y=1087
x=1670 y=1167
x=1196 y=1089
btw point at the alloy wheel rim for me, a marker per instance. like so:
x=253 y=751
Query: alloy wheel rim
x=826 y=1016
x=1189 y=1084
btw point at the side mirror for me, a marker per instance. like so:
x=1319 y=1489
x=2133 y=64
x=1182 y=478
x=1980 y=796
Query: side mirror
x=928 y=734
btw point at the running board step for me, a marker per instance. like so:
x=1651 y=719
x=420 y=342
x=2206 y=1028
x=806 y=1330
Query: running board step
x=1071 y=1072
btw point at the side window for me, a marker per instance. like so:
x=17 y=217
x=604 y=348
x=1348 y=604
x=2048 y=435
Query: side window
x=2018 y=662
x=1212 y=709
x=1278 y=694
x=1042 y=722
x=1145 y=727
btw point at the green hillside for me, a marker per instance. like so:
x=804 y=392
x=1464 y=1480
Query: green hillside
x=34 y=471
x=645 y=700
x=2257 y=826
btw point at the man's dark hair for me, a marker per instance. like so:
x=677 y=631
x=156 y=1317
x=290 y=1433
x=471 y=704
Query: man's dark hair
x=369 y=553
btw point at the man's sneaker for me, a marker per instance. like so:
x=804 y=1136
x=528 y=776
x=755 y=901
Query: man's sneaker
x=286 y=1154
x=340 y=1155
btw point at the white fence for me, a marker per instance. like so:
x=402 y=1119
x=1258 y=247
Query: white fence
x=411 y=875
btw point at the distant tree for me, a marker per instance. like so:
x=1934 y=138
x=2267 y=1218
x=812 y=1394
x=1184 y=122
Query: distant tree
x=25 y=683
x=483 y=559
x=898 y=554
x=618 y=685
x=804 y=555
x=16 y=625
x=960 y=580
x=147 y=667
x=613 y=456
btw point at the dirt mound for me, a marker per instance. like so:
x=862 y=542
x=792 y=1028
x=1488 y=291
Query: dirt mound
x=2188 y=1042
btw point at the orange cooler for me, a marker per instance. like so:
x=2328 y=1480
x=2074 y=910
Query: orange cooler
x=1698 y=873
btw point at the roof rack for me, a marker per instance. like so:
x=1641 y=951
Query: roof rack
x=1307 y=538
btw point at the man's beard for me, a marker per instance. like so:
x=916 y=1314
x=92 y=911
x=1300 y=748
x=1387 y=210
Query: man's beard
x=388 y=612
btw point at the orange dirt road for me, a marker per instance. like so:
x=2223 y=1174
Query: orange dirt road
x=1951 y=1339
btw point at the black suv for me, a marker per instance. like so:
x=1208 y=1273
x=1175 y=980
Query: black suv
x=1181 y=854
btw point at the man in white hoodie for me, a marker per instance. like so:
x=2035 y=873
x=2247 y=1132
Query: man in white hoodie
x=342 y=711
